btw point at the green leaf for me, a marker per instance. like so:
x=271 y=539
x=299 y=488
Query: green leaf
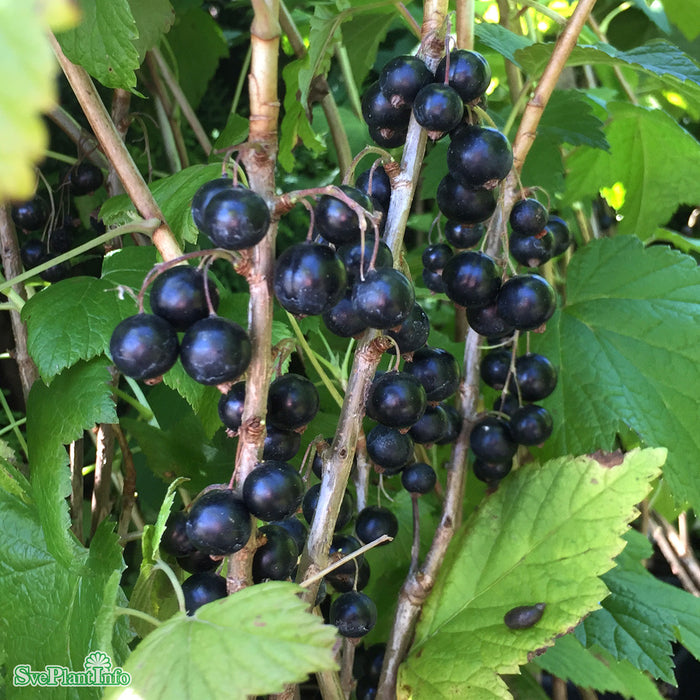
x=648 y=149
x=502 y=40
x=57 y=414
x=262 y=636
x=658 y=59
x=12 y=481
x=362 y=36
x=153 y=19
x=545 y=535
x=685 y=14
x=50 y=610
x=642 y=614
x=103 y=43
x=544 y=165
x=594 y=668
x=235 y=132
x=72 y=320
x=570 y=118
x=173 y=195
x=29 y=88
x=128 y=267
x=627 y=345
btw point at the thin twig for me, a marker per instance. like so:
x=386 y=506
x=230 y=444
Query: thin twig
x=75 y=452
x=681 y=558
x=80 y=137
x=129 y=487
x=361 y=472
x=101 y=503
x=346 y=662
x=415 y=546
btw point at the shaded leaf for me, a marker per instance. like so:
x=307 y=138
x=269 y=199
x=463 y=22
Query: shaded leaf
x=545 y=536
x=502 y=40
x=153 y=19
x=685 y=14
x=362 y=36
x=570 y=118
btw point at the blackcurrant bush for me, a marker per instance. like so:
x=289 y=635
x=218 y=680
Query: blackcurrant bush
x=463 y=235
x=218 y=522
x=292 y=402
x=526 y=301
x=528 y=217
x=309 y=278
x=202 y=588
x=354 y=614
x=413 y=333
x=273 y=490
x=531 y=425
x=85 y=178
x=479 y=157
x=215 y=350
x=471 y=279
x=389 y=449
x=437 y=370
x=438 y=108
x=384 y=299
x=536 y=376
x=435 y=256
x=143 y=346
x=31 y=215
x=336 y=221
x=402 y=78
x=178 y=296
x=491 y=441
x=431 y=427
x=231 y=406
x=276 y=558
x=174 y=540
x=374 y=521
x=470 y=74
x=464 y=204
x=396 y=399
x=418 y=477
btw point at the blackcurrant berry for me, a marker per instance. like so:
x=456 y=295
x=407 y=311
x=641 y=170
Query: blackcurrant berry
x=389 y=449
x=197 y=562
x=471 y=279
x=531 y=251
x=454 y=425
x=486 y=321
x=526 y=301
x=470 y=74
x=174 y=540
x=463 y=236
x=535 y=375
x=560 y=232
x=354 y=614
x=352 y=256
x=202 y=588
x=402 y=78
x=85 y=178
x=236 y=218
x=143 y=346
x=292 y=402
x=494 y=367
x=32 y=253
x=218 y=522
x=433 y=281
x=273 y=490
x=491 y=441
x=281 y=445
x=31 y=215
x=384 y=299
x=435 y=256
x=366 y=688
x=373 y=522
x=479 y=157
x=464 y=204
x=418 y=477
x=380 y=189
x=341 y=546
x=431 y=427
x=204 y=195
x=506 y=403
x=491 y=472
x=57 y=272
x=438 y=108
x=336 y=221
x=531 y=425
x=310 y=501
x=296 y=529
x=396 y=399
x=437 y=370
x=276 y=558
x=215 y=350
x=379 y=112
x=345 y=581
x=413 y=333
x=373 y=662
x=342 y=319
x=309 y=278
x=178 y=296
x=388 y=136
x=60 y=240
x=528 y=217
x=231 y=406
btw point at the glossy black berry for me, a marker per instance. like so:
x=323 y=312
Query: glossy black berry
x=437 y=370
x=384 y=299
x=494 y=367
x=471 y=278
x=454 y=425
x=491 y=472
x=204 y=195
x=418 y=477
x=438 y=108
x=197 y=562
x=174 y=540
x=463 y=236
x=273 y=490
x=431 y=427
x=215 y=350
x=31 y=252
x=85 y=178
x=352 y=256
x=528 y=217
x=388 y=136
x=354 y=614
x=506 y=403
x=144 y=346
x=57 y=272
x=491 y=441
x=433 y=281
x=178 y=296
x=373 y=662
x=374 y=521
x=276 y=558
x=388 y=448
x=531 y=425
x=464 y=204
x=31 y=215
x=281 y=445
x=292 y=402
x=336 y=221
x=379 y=112
x=470 y=74
x=560 y=232
x=435 y=256
x=413 y=333
x=526 y=301
x=347 y=580
x=310 y=501
x=218 y=522
x=380 y=189
x=486 y=321
x=536 y=376
x=342 y=319
x=202 y=588
x=341 y=546
x=231 y=406
x=296 y=529
x=402 y=78
x=524 y=616
x=236 y=218
x=531 y=251
x=309 y=278
x=479 y=157
x=60 y=240
x=396 y=399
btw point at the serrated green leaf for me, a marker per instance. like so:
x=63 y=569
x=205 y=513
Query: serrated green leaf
x=12 y=481
x=658 y=59
x=28 y=89
x=648 y=149
x=544 y=166
x=72 y=320
x=627 y=345
x=362 y=36
x=685 y=14
x=103 y=43
x=263 y=636
x=570 y=118
x=50 y=610
x=502 y=40
x=153 y=19
x=593 y=668
x=57 y=414
x=173 y=195
x=128 y=266
x=533 y=540
x=235 y=131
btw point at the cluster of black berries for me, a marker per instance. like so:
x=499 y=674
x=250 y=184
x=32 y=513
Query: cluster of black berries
x=56 y=236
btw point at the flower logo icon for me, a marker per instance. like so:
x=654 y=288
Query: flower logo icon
x=97 y=660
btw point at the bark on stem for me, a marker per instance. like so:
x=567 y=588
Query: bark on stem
x=115 y=150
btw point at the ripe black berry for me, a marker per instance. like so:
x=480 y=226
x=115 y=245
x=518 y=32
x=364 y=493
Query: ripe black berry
x=526 y=301
x=292 y=402
x=463 y=235
x=396 y=399
x=560 y=233
x=31 y=215
x=528 y=217
x=418 y=477
x=433 y=281
x=373 y=522
x=536 y=376
x=342 y=319
x=486 y=321
x=437 y=370
x=31 y=252
x=470 y=74
x=479 y=157
x=436 y=256
x=454 y=425
x=491 y=472
x=310 y=501
x=197 y=562
x=354 y=614
x=380 y=113
x=389 y=449
x=491 y=441
x=85 y=178
x=506 y=403
x=309 y=278
x=231 y=406
x=281 y=445
x=215 y=350
x=413 y=333
x=60 y=240
x=351 y=254
x=276 y=558
x=273 y=490
x=356 y=579
x=178 y=296
x=204 y=195
x=384 y=299
x=494 y=367
x=438 y=108
x=174 y=540
x=431 y=427
x=143 y=346
x=402 y=78
x=388 y=136
x=336 y=221
x=464 y=204
x=218 y=522
x=531 y=425
x=471 y=279
x=57 y=272
x=236 y=218
x=531 y=251
x=381 y=186
x=296 y=529
x=202 y=588
x=341 y=546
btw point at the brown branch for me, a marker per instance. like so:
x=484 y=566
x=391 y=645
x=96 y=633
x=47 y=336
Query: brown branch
x=121 y=103
x=129 y=487
x=83 y=139
x=679 y=557
x=101 y=504
x=115 y=150
x=515 y=80
x=465 y=24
